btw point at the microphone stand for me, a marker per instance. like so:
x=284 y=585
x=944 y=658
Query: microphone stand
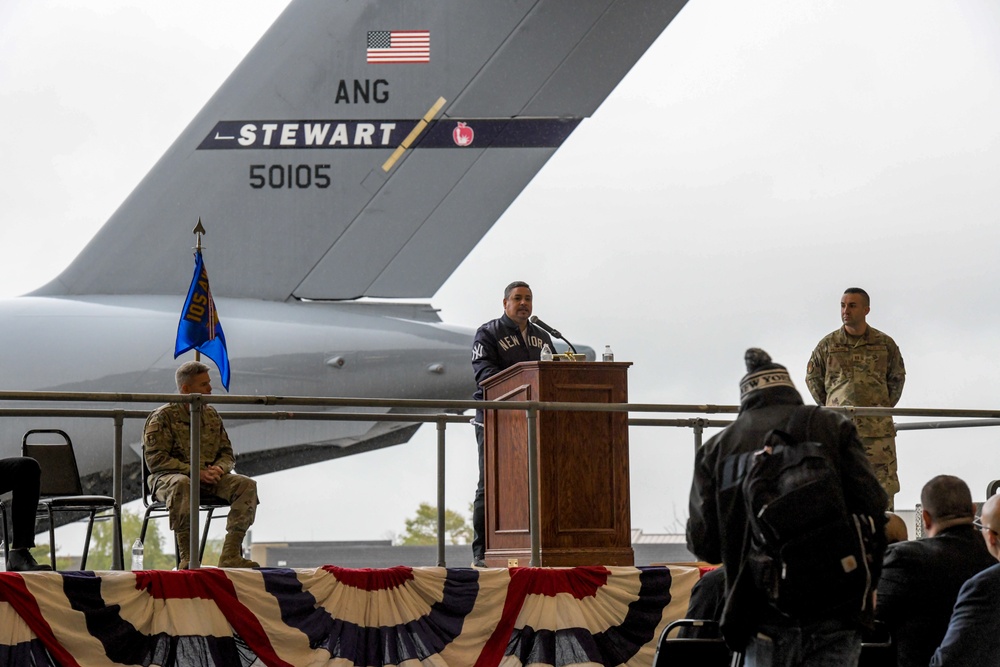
x=552 y=332
x=572 y=349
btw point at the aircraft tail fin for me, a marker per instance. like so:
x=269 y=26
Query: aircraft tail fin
x=363 y=149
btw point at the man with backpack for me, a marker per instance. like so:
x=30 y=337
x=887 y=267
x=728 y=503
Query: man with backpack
x=801 y=571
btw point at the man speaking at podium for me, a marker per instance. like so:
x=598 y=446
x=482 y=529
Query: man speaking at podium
x=498 y=345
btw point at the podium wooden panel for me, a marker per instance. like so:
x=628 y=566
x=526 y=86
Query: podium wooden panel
x=583 y=462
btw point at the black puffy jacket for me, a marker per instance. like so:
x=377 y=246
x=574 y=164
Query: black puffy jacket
x=717 y=522
x=498 y=345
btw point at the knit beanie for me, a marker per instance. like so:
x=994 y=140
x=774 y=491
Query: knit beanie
x=762 y=373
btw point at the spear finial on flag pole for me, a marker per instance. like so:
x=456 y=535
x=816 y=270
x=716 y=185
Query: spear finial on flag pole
x=199 y=328
x=198 y=230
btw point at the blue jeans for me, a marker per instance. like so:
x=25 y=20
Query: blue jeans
x=831 y=643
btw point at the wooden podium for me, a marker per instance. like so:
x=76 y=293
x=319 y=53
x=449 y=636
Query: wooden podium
x=583 y=464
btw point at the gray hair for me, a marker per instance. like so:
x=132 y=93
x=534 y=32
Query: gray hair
x=186 y=372
x=513 y=286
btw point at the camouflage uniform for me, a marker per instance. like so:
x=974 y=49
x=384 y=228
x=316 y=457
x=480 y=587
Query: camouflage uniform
x=167 y=443
x=864 y=372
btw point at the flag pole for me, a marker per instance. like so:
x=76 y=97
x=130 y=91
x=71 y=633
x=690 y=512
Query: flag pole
x=199 y=328
x=195 y=499
x=198 y=230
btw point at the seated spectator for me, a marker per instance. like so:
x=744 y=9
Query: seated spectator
x=708 y=596
x=973 y=636
x=21 y=476
x=921 y=578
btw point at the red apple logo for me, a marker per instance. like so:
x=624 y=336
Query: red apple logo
x=463 y=135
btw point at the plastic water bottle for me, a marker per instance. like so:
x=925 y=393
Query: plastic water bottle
x=137 y=555
x=608 y=354
x=3 y=561
x=546 y=353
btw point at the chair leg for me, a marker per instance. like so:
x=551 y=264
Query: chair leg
x=119 y=538
x=86 y=544
x=142 y=532
x=6 y=534
x=52 y=539
x=204 y=534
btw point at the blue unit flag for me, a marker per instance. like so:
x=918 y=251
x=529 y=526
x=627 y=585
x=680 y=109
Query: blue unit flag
x=199 y=327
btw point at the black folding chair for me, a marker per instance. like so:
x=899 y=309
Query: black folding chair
x=697 y=643
x=62 y=491
x=877 y=647
x=156 y=509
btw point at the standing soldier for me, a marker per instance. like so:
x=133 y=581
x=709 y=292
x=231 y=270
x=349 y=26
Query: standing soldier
x=861 y=366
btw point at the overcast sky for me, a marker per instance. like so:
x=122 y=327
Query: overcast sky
x=760 y=158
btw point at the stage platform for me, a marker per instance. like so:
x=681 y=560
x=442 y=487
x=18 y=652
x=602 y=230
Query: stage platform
x=456 y=617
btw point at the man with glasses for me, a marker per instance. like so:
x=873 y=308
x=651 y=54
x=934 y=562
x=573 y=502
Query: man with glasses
x=973 y=636
x=921 y=578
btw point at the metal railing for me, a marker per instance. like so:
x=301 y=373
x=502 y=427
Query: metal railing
x=957 y=419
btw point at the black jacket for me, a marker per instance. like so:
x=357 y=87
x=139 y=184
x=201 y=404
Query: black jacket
x=717 y=524
x=919 y=585
x=498 y=345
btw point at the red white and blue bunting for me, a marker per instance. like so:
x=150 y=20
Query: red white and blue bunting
x=339 y=617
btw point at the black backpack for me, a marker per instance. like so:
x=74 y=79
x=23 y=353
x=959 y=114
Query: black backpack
x=807 y=552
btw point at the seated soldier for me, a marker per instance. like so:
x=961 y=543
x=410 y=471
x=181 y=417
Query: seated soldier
x=166 y=443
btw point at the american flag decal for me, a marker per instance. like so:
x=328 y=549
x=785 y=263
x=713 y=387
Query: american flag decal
x=399 y=46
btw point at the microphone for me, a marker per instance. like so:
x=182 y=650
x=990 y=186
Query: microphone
x=552 y=332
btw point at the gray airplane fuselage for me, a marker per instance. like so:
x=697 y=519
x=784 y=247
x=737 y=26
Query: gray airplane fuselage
x=288 y=349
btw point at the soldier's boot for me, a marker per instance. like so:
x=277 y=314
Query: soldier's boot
x=183 y=550
x=232 y=552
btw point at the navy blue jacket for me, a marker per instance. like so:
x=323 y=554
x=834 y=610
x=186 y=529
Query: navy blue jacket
x=973 y=636
x=498 y=345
